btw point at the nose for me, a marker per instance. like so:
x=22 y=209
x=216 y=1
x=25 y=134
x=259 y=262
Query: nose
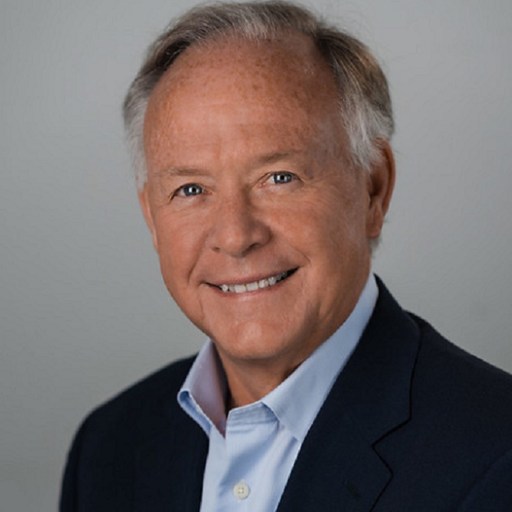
x=236 y=228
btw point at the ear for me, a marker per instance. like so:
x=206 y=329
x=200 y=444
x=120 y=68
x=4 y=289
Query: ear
x=381 y=182
x=148 y=214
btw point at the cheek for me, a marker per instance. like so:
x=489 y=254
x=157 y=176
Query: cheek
x=328 y=223
x=178 y=248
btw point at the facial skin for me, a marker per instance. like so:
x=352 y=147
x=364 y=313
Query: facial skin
x=249 y=178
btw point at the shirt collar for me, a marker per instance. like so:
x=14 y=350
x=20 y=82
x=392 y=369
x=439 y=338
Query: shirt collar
x=203 y=394
x=297 y=400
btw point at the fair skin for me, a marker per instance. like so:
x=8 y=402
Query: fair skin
x=261 y=223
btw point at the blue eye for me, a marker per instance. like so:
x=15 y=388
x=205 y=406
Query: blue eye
x=190 y=189
x=281 y=178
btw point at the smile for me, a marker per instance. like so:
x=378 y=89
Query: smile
x=256 y=285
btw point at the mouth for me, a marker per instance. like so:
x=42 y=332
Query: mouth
x=254 y=286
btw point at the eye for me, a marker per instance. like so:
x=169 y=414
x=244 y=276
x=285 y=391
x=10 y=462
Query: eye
x=282 y=177
x=189 y=190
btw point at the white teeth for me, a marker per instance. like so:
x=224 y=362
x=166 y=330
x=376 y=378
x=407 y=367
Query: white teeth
x=253 y=286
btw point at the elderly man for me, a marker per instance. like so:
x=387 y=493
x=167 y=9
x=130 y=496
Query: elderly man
x=261 y=144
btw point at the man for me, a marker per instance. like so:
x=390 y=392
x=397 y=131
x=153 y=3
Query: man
x=262 y=148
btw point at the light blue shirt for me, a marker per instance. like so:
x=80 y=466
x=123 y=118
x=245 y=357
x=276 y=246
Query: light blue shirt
x=252 y=451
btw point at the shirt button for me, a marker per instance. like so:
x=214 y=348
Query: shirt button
x=241 y=490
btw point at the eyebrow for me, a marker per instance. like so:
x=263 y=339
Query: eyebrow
x=278 y=156
x=181 y=171
x=266 y=159
x=272 y=158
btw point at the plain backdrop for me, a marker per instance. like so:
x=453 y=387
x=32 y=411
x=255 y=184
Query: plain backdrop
x=83 y=311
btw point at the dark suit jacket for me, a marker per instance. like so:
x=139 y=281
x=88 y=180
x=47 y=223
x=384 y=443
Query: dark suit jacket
x=413 y=424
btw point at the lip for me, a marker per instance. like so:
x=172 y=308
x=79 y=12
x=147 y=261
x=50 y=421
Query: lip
x=277 y=278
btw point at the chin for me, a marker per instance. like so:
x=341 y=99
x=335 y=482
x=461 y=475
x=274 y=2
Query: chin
x=255 y=344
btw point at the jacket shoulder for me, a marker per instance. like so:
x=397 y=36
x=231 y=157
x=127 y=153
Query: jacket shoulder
x=145 y=396
x=106 y=449
x=464 y=400
x=469 y=378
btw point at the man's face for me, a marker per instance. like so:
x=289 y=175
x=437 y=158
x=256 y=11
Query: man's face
x=260 y=222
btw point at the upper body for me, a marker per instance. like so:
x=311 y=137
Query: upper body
x=262 y=144
x=411 y=423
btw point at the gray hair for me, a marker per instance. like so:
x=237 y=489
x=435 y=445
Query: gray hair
x=364 y=95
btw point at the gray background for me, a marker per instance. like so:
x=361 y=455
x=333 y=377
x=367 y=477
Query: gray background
x=83 y=312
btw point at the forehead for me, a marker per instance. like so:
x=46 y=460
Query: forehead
x=231 y=92
x=262 y=71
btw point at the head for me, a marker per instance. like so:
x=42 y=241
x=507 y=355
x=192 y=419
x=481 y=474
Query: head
x=261 y=200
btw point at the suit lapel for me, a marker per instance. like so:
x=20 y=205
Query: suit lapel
x=338 y=467
x=336 y=470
